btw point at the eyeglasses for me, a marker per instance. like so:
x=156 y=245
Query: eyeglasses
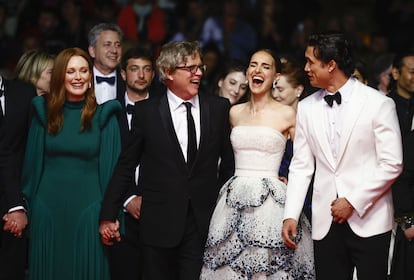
x=193 y=68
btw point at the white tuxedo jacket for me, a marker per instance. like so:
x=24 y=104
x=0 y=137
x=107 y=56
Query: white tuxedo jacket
x=369 y=159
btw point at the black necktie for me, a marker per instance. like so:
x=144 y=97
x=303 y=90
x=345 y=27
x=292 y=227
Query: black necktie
x=192 y=141
x=130 y=109
x=109 y=80
x=330 y=98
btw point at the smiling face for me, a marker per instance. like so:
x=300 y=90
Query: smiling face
x=77 y=78
x=261 y=72
x=233 y=86
x=182 y=82
x=107 y=51
x=285 y=93
x=317 y=71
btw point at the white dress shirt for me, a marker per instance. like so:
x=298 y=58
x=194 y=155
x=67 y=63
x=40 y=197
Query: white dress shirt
x=179 y=118
x=335 y=115
x=104 y=91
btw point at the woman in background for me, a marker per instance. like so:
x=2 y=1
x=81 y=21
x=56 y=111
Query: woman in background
x=35 y=67
x=232 y=83
x=72 y=148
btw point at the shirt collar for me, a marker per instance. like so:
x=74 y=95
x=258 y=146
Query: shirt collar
x=175 y=102
x=98 y=73
x=346 y=90
x=128 y=101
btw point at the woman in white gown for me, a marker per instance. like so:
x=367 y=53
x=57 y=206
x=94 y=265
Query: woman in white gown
x=244 y=240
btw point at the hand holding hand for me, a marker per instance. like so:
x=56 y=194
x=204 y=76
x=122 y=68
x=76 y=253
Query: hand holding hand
x=109 y=232
x=134 y=207
x=15 y=222
x=341 y=210
x=289 y=232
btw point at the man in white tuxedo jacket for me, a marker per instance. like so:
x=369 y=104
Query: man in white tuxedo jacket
x=351 y=142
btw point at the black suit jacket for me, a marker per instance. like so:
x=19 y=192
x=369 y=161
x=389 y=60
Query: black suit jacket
x=168 y=185
x=13 y=137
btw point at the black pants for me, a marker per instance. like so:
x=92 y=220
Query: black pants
x=402 y=266
x=125 y=262
x=342 y=250
x=13 y=256
x=182 y=262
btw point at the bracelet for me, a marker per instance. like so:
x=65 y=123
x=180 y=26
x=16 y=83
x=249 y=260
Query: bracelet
x=405 y=222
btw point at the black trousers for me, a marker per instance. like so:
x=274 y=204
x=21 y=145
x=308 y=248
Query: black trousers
x=402 y=266
x=13 y=256
x=125 y=262
x=341 y=250
x=182 y=262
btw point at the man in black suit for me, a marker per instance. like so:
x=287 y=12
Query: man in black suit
x=138 y=72
x=15 y=100
x=178 y=139
x=105 y=48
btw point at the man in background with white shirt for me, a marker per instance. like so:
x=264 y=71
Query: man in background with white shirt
x=138 y=72
x=105 y=48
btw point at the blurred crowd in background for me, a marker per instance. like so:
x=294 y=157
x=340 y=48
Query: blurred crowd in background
x=227 y=29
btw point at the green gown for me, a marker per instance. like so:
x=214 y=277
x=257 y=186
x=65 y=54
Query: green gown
x=64 y=179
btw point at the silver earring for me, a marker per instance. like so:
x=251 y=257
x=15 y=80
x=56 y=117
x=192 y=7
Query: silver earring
x=90 y=85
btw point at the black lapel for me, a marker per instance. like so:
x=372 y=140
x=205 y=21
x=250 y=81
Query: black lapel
x=168 y=125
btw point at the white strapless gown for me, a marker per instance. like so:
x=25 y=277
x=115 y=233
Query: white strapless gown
x=244 y=239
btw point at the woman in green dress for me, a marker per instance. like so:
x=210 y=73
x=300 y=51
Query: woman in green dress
x=72 y=148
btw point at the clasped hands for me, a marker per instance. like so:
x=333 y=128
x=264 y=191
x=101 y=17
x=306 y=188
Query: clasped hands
x=109 y=230
x=15 y=222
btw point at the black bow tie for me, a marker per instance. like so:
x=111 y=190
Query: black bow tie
x=130 y=109
x=330 y=98
x=109 y=80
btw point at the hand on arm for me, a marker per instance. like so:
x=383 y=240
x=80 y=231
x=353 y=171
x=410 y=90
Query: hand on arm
x=341 y=210
x=15 y=222
x=289 y=232
x=109 y=232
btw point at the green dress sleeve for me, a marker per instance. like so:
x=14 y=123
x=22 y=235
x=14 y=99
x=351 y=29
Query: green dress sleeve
x=33 y=161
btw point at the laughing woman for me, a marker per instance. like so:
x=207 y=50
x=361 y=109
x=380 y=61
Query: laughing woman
x=72 y=147
x=244 y=239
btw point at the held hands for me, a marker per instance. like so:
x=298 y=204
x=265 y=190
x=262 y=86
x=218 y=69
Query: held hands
x=134 y=207
x=341 y=210
x=109 y=232
x=289 y=233
x=15 y=222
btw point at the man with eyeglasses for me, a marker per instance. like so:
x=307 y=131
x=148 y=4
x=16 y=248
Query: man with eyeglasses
x=178 y=139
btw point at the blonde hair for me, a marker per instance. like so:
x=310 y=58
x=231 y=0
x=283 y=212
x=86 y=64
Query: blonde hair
x=31 y=65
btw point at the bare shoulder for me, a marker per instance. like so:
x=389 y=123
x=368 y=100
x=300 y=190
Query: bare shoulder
x=236 y=113
x=286 y=111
